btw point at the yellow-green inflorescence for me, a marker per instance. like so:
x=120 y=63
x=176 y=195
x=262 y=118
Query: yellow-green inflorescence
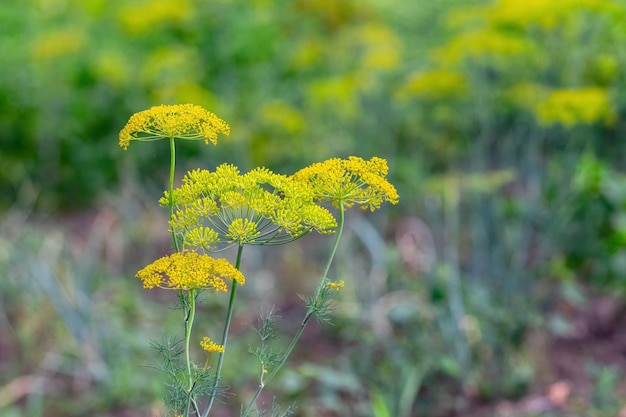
x=189 y=271
x=350 y=181
x=181 y=121
x=223 y=207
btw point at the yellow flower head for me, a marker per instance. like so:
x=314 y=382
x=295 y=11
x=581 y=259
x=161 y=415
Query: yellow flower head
x=350 y=181
x=259 y=208
x=210 y=346
x=189 y=270
x=182 y=121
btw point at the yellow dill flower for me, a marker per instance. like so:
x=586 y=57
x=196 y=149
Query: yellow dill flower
x=350 y=181
x=335 y=285
x=259 y=208
x=189 y=270
x=182 y=121
x=210 y=346
x=574 y=106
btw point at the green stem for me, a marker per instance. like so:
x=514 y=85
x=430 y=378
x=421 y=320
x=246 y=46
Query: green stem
x=170 y=189
x=189 y=315
x=334 y=249
x=229 y=316
x=307 y=316
x=188 y=325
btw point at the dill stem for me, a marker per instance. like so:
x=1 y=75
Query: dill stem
x=307 y=316
x=229 y=316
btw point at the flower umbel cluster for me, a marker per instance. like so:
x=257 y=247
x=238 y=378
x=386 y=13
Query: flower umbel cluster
x=182 y=121
x=350 y=181
x=189 y=270
x=260 y=207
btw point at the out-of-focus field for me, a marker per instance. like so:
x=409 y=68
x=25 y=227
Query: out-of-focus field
x=496 y=286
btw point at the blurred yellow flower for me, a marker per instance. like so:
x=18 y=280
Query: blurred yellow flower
x=546 y=14
x=434 y=84
x=182 y=121
x=138 y=19
x=381 y=47
x=350 y=181
x=515 y=14
x=189 y=270
x=575 y=106
x=483 y=43
x=59 y=43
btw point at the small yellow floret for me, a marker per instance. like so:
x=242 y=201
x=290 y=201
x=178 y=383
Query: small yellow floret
x=336 y=285
x=210 y=346
x=242 y=231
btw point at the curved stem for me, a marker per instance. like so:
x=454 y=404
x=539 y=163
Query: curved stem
x=191 y=312
x=305 y=320
x=229 y=316
x=170 y=189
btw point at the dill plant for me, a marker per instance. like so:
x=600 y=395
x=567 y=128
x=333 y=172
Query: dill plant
x=214 y=210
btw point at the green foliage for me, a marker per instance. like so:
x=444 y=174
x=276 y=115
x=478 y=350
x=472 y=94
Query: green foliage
x=78 y=70
x=594 y=208
x=65 y=317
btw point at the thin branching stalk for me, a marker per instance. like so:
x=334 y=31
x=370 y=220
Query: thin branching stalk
x=310 y=311
x=170 y=190
x=229 y=316
x=334 y=249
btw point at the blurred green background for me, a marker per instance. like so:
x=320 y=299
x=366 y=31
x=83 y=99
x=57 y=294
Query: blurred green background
x=495 y=287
